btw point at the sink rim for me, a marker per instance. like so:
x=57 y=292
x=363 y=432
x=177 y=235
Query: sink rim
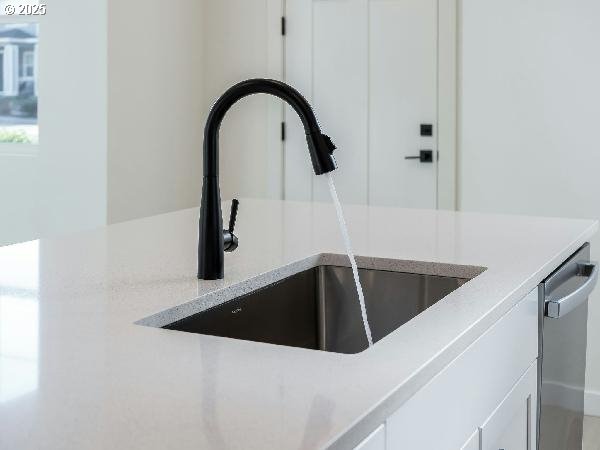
x=224 y=294
x=311 y=309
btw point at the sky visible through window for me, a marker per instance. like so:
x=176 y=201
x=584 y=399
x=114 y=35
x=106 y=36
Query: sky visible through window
x=19 y=83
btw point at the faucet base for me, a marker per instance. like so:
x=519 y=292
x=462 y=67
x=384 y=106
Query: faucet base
x=210 y=232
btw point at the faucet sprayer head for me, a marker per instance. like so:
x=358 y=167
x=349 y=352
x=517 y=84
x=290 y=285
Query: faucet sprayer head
x=321 y=147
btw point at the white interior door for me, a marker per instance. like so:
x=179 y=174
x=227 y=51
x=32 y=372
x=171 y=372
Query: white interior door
x=369 y=68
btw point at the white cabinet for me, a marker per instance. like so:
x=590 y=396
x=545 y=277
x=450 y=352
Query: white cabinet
x=460 y=399
x=512 y=425
x=374 y=441
x=485 y=399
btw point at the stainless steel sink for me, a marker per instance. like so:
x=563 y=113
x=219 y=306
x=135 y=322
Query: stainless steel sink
x=318 y=308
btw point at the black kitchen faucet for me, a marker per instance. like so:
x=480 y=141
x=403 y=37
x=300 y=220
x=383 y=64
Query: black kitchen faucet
x=213 y=240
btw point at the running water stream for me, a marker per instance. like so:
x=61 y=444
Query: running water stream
x=346 y=237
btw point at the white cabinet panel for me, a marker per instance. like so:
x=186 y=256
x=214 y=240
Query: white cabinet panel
x=375 y=441
x=512 y=425
x=444 y=413
x=514 y=433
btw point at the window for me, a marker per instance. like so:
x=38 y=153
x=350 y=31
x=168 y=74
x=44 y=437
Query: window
x=28 y=62
x=18 y=81
x=1 y=69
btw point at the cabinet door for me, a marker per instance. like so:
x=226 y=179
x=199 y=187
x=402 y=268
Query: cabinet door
x=512 y=425
x=374 y=441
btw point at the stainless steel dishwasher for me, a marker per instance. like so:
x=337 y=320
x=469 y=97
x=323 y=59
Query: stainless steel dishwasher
x=562 y=353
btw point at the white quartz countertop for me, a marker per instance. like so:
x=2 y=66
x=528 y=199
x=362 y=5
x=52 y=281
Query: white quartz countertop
x=77 y=372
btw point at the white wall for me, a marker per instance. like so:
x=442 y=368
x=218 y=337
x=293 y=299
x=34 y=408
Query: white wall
x=241 y=40
x=124 y=92
x=19 y=198
x=60 y=185
x=164 y=72
x=155 y=106
x=529 y=112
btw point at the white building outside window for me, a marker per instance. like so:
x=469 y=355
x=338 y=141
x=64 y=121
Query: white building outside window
x=28 y=64
x=18 y=78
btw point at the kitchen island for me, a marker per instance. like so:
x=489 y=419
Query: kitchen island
x=85 y=365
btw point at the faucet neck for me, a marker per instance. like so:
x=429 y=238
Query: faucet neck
x=320 y=147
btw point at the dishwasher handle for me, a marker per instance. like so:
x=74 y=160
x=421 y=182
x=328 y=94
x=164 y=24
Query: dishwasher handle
x=557 y=308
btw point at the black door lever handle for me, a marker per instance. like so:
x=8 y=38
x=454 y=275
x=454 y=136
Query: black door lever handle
x=424 y=156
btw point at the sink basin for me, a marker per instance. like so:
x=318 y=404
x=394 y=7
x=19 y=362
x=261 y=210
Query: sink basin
x=318 y=308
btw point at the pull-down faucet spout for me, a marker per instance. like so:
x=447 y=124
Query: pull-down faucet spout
x=211 y=234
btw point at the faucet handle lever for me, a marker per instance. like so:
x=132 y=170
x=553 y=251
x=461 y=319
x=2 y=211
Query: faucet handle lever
x=230 y=240
x=232 y=216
